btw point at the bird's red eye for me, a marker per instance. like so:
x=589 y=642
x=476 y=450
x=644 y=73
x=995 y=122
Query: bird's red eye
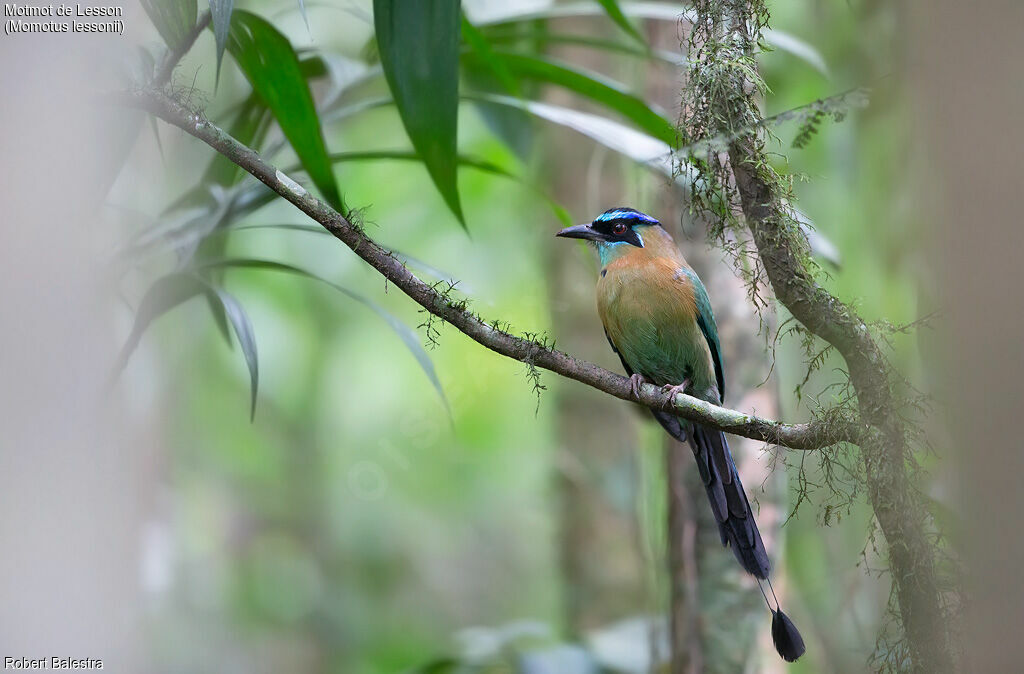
x=619 y=229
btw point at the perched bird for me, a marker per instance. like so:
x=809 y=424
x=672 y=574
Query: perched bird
x=658 y=319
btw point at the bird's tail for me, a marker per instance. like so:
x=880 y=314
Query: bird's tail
x=735 y=518
x=729 y=503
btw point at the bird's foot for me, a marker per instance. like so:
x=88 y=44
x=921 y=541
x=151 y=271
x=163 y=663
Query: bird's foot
x=673 y=389
x=635 y=382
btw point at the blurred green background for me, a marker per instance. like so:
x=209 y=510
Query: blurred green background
x=364 y=524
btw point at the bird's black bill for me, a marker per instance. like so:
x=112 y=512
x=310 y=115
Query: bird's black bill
x=580 y=232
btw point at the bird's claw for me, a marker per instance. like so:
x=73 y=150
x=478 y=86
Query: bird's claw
x=673 y=389
x=635 y=382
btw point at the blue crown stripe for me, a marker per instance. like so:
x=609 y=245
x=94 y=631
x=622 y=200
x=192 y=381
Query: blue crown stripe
x=625 y=215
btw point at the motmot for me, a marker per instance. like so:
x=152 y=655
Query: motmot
x=658 y=319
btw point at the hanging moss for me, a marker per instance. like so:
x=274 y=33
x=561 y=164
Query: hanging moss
x=749 y=206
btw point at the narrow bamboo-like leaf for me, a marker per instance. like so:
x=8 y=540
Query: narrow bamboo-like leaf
x=595 y=87
x=163 y=235
x=318 y=230
x=247 y=127
x=351 y=8
x=514 y=127
x=246 y=339
x=165 y=294
x=404 y=332
x=419 y=51
x=174 y=19
x=498 y=37
x=636 y=145
x=341 y=72
x=503 y=13
x=220 y=13
x=470 y=162
x=821 y=246
x=485 y=54
x=443 y=666
x=796 y=47
x=146 y=65
x=252 y=122
x=271 y=66
x=343 y=76
x=156 y=135
x=220 y=317
x=614 y=12
x=495 y=13
x=641 y=148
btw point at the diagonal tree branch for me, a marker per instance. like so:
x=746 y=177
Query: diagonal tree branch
x=828 y=430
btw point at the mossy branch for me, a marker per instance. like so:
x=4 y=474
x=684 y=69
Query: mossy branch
x=827 y=430
x=740 y=189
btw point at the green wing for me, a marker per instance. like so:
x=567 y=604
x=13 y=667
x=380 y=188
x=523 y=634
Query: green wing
x=706 y=321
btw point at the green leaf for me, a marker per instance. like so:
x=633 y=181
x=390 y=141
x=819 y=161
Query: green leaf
x=443 y=666
x=593 y=86
x=174 y=19
x=496 y=13
x=485 y=54
x=821 y=246
x=419 y=50
x=166 y=293
x=513 y=127
x=636 y=145
x=510 y=12
x=796 y=47
x=248 y=126
x=318 y=230
x=220 y=13
x=340 y=71
x=265 y=195
x=641 y=148
x=246 y=339
x=272 y=67
x=500 y=35
x=404 y=332
x=614 y=12
x=219 y=317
